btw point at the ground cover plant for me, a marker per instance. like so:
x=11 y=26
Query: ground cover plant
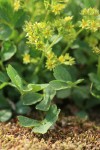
x=48 y=51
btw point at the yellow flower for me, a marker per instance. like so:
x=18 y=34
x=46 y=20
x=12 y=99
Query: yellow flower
x=50 y=64
x=84 y=11
x=32 y=39
x=40 y=45
x=16 y=5
x=28 y=26
x=50 y=55
x=57 y=8
x=68 y=60
x=69 y=18
x=84 y=24
x=26 y=59
x=94 y=26
x=61 y=59
x=47 y=33
x=40 y=25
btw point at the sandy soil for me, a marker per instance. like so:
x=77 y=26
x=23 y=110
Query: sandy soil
x=70 y=133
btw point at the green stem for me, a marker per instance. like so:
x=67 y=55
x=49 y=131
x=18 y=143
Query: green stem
x=2 y=66
x=70 y=43
x=98 y=67
x=53 y=43
x=98 y=4
x=20 y=37
x=67 y=47
x=40 y=65
x=43 y=55
x=47 y=14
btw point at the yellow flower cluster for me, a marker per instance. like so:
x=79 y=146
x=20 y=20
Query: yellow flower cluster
x=90 y=24
x=90 y=12
x=96 y=50
x=26 y=59
x=93 y=42
x=67 y=60
x=17 y=5
x=91 y=19
x=37 y=33
x=56 y=9
x=65 y=28
x=58 y=5
x=64 y=24
x=53 y=60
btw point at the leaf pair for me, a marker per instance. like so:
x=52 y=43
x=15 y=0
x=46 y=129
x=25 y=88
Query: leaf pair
x=63 y=79
x=41 y=126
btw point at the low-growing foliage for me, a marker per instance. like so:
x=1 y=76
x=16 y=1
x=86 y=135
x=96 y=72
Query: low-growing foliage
x=47 y=50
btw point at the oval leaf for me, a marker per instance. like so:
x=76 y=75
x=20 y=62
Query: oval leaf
x=8 y=50
x=58 y=85
x=5 y=115
x=31 y=98
x=27 y=122
x=60 y=73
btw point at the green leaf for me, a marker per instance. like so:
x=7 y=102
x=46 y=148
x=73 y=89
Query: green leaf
x=5 y=115
x=60 y=73
x=27 y=122
x=80 y=94
x=3 y=101
x=94 y=91
x=5 y=20
x=35 y=87
x=6 y=11
x=31 y=98
x=22 y=109
x=3 y=77
x=92 y=102
x=88 y=4
x=49 y=94
x=63 y=93
x=51 y=118
x=74 y=84
x=19 y=18
x=7 y=51
x=95 y=80
x=5 y=31
x=82 y=115
x=79 y=81
x=55 y=37
x=58 y=85
x=15 y=78
x=80 y=56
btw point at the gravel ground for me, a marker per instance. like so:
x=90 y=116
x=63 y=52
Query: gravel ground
x=69 y=133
